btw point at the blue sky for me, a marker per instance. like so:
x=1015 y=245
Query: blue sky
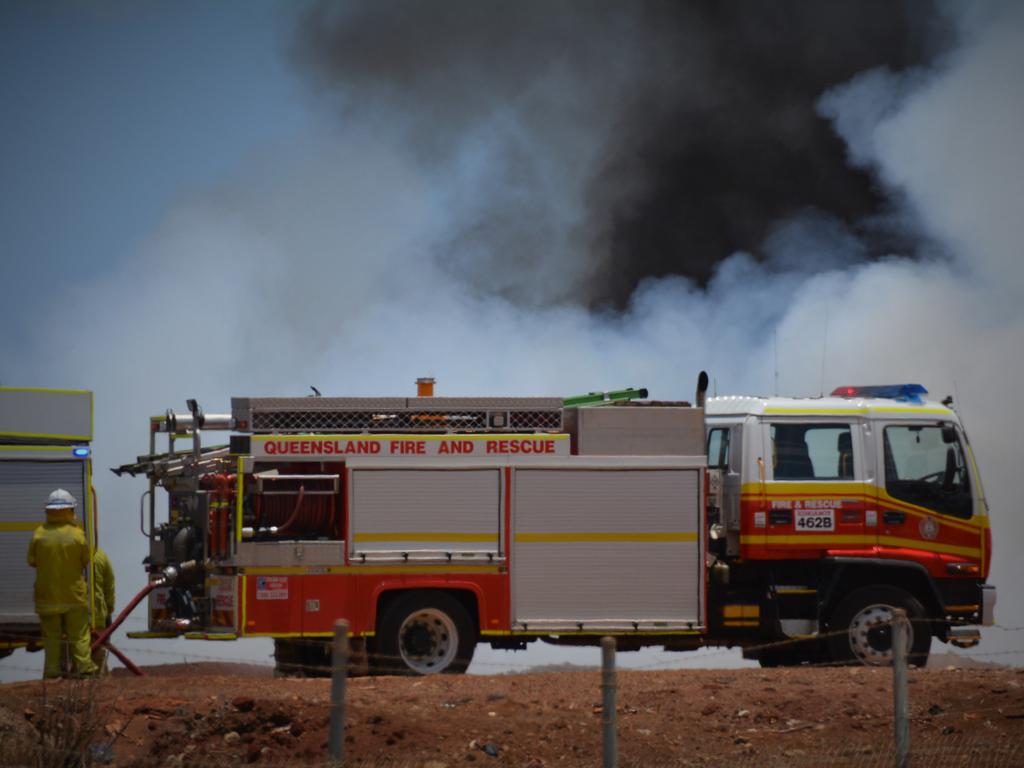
x=112 y=112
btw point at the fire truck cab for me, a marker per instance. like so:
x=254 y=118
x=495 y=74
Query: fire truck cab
x=835 y=510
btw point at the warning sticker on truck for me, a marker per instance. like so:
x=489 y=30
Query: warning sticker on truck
x=814 y=520
x=271 y=587
x=222 y=590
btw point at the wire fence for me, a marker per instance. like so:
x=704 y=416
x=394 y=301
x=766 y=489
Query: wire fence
x=68 y=727
x=680 y=659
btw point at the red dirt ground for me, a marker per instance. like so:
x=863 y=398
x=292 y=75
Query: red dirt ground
x=225 y=714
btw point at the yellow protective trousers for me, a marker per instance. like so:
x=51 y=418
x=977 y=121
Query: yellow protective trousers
x=75 y=625
x=99 y=656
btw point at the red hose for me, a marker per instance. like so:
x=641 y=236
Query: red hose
x=108 y=631
x=129 y=664
x=221 y=496
x=211 y=525
x=295 y=513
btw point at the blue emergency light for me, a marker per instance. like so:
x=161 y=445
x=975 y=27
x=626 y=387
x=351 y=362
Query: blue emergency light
x=80 y=452
x=908 y=392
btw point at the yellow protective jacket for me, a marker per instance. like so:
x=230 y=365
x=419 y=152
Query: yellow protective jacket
x=103 y=573
x=59 y=553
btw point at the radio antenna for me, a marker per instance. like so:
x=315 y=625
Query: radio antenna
x=775 y=343
x=953 y=406
x=824 y=351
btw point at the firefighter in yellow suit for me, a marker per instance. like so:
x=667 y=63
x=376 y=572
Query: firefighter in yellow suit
x=103 y=602
x=59 y=553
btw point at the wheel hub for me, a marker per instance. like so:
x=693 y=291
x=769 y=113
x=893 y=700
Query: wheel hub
x=418 y=640
x=871 y=635
x=428 y=641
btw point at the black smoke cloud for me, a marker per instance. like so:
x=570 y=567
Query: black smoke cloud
x=686 y=131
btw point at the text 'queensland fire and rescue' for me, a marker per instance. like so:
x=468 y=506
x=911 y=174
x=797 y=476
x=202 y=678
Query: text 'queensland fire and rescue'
x=415 y=447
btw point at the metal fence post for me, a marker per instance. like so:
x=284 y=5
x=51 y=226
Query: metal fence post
x=608 y=708
x=339 y=676
x=900 y=634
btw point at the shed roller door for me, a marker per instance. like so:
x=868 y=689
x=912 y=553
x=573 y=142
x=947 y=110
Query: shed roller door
x=425 y=513
x=24 y=488
x=607 y=548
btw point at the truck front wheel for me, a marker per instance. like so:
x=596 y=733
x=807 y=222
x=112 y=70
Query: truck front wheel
x=860 y=630
x=424 y=633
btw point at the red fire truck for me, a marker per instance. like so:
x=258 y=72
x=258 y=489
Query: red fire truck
x=788 y=526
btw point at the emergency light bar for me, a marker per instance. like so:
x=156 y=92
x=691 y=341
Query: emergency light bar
x=909 y=392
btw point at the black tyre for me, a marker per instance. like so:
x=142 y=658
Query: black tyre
x=793 y=654
x=289 y=659
x=860 y=629
x=301 y=657
x=424 y=632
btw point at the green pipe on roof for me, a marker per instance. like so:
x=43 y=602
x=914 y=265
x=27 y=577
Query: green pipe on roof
x=597 y=398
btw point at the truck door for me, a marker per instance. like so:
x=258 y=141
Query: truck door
x=725 y=453
x=816 y=492
x=926 y=499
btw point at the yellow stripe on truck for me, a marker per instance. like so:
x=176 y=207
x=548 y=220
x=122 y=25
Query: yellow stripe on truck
x=19 y=526
x=609 y=536
x=828 y=540
x=854 y=411
x=424 y=536
x=739 y=611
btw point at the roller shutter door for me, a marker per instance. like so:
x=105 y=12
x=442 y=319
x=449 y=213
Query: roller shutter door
x=24 y=488
x=424 y=513
x=607 y=548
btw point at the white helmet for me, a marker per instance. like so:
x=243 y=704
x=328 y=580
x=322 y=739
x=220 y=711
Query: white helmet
x=61 y=499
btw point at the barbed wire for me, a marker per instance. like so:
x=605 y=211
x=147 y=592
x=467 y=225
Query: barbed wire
x=377 y=662
x=683 y=659
x=938 y=749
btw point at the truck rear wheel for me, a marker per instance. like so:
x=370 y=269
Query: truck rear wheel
x=312 y=657
x=860 y=630
x=791 y=654
x=301 y=657
x=424 y=633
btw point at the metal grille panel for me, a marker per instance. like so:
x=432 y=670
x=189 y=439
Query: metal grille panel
x=286 y=415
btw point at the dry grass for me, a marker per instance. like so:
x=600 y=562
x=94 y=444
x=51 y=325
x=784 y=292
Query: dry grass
x=62 y=729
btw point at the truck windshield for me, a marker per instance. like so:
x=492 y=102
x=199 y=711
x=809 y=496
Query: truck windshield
x=922 y=468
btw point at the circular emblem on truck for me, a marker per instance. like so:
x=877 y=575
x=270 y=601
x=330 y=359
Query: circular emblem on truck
x=929 y=528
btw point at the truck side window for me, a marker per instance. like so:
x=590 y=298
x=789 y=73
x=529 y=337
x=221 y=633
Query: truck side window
x=922 y=468
x=812 y=452
x=718 y=448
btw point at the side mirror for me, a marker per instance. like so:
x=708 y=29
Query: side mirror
x=948 y=434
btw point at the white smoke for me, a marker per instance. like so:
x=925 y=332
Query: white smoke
x=319 y=267
x=952 y=148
